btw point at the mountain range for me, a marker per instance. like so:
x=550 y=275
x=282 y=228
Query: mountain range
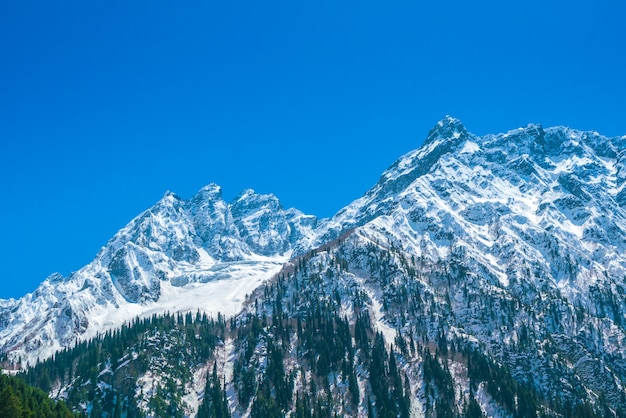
x=481 y=276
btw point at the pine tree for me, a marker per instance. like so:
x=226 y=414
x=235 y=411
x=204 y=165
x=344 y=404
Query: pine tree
x=10 y=405
x=472 y=409
x=215 y=404
x=96 y=409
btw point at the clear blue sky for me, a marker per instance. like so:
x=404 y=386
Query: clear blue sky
x=105 y=105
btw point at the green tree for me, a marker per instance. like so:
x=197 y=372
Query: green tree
x=10 y=405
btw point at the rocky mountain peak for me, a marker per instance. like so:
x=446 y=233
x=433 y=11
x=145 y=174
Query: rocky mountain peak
x=211 y=189
x=448 y=128
x=248 y=201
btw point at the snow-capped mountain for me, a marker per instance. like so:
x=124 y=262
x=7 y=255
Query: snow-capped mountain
x=201 y=254
x=525 y=203
x=551 y=176
x=520 y=239
x=493 y=268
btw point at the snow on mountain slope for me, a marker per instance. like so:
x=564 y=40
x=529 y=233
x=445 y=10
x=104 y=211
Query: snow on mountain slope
x=531 y=218
x=507 y=250
x=550 y=197
x=529 y=210
x=509 y=245
x=202 y=254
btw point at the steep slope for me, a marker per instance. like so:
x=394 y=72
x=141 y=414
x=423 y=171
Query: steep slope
x=178 y=255
x=511 y=246
x=524 y=238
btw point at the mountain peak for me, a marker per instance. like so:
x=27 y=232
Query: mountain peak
x=212 y=192
x=168 y=201
x=169 y=195
x=449 y=120
x=447 y=128
x=249 y=195
x=211 y=189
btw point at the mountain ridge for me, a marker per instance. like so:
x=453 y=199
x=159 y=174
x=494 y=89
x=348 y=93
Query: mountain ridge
x=158 y=251
x=512 y=245
x=211 y=214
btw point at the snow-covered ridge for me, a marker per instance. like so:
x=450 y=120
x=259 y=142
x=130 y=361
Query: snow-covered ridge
x=557 y=176
x=201 y=254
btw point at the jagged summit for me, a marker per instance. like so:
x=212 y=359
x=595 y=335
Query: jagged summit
x=447 y=136
x=211 y=189
x=170 y=195
x=173 y=256
x=555 y=180
x=250 y=197
x=447 y=128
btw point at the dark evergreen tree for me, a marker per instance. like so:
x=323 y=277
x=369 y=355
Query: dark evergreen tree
x=472 y=409
x=215 y=404
x=10 y=405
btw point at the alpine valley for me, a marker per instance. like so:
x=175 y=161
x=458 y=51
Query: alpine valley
x=481 y=276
